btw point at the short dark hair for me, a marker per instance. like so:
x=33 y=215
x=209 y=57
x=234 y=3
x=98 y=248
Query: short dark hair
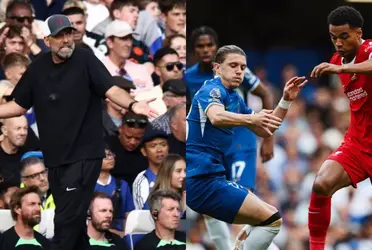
x=16 y=200
x=98 y=195
x=14 y=30
x=201 y=31
x=156 y=198
x=143 y=3
x=16 y=3
x=15 y=59
x=346 y=15
x=167 y=5
x=73 y=11
x=119 y=4
x=163 y=52
x=225 y=50
x=30 y=161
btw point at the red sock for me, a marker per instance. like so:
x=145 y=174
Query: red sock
x=319 y=219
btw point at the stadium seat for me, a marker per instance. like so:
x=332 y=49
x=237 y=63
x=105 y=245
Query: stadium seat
x=6 y=220
x=138 y=222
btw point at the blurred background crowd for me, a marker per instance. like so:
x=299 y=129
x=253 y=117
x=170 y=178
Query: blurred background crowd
x=280 y=43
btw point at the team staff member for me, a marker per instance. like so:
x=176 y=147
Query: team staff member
x=66 y=88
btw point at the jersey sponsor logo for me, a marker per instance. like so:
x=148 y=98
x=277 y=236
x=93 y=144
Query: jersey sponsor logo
x=356 y=94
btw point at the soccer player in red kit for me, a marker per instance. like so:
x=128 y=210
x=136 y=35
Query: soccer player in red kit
x=352 y=161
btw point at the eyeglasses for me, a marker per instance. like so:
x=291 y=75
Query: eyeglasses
x=110 y=155
x=22 y=19
x=36 y=176
x=140 y=123
x=170 y=66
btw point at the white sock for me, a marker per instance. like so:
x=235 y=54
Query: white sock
x=219 y=233
x=260 y=238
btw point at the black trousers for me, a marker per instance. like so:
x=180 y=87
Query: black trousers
x=72 y=187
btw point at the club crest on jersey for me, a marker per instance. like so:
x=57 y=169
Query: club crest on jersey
x=354 y=77
x=215 y=94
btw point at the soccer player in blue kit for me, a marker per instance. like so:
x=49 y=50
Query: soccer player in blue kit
x=215 y=109
x=240 y=159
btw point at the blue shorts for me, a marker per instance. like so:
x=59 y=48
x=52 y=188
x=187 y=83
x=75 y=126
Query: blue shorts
x=241 y=168
x=215 y=196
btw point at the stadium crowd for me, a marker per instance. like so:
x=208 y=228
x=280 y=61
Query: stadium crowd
x=142 y=44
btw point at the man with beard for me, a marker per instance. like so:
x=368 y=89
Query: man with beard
x=66 y=87
x=25 y=210
x=100 y=215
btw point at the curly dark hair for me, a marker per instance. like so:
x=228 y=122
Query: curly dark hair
x=201 y=31
x=346 y=15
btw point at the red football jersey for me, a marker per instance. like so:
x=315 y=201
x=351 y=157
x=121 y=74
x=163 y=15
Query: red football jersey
x=358 y=88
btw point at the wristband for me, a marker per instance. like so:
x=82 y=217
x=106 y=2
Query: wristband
x=284 y=104
x=130 y=107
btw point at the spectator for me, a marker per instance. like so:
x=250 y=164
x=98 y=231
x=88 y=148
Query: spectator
x=171 y=176
x=165 y=208
x=14 y=65
x=15 y=131
x=177 y=139
x=100 y=215
x=119 y=40
x=25 y=210
x=174 y=93
x=78 y=19
x=97 y=11
x=127 y=11
x=167 y=67
x=34 y=173
x=178 y=43
x=126 y=147
x=174 y=15
x=151 y=6
x=113 y=114
x=118 y=190
x=155 y=148
x=8 y=189
x=21 y=13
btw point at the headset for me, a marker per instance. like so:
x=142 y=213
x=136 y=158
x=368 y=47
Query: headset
x=155 y=214
x=89 y=214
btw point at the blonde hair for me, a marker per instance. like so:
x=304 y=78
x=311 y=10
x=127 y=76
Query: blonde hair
x=164 y=177
x=75 y=3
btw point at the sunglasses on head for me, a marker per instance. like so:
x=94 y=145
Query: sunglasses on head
x=8 y=98
x=170 y=66
x=141 y=123
x=22 y=19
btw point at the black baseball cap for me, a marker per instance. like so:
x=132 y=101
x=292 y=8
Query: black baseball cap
x=176 y=86
x=123 y=83
x=56 y=23
x=152 y=133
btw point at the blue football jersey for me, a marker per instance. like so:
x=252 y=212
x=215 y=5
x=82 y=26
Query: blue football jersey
x=205 y=141
x=195 y=79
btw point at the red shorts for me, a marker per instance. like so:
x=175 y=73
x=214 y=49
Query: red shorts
x=356 y=163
